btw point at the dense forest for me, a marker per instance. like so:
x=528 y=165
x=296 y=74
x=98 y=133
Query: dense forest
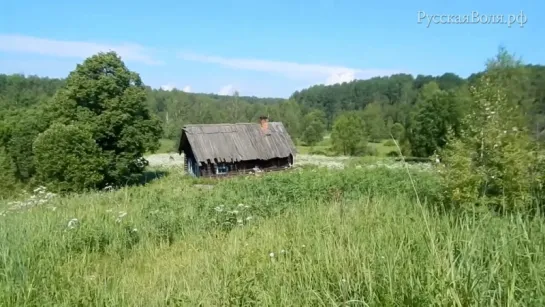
x=420 y=112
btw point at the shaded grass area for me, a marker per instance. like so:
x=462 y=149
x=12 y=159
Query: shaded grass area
x=312 y=237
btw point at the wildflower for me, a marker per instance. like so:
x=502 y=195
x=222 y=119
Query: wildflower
x=73 y=223
x=271 y=255
x=240 y=221
x=249 y=218
x=282 y=252
x=121 y=216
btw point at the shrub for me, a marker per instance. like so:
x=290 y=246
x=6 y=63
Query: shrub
x=68 y=159
x=491 y=164
x=389 y=143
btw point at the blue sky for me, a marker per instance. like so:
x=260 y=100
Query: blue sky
x=264 y=48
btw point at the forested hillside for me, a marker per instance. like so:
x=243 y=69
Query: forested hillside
x=419 y=112
x=308 y=114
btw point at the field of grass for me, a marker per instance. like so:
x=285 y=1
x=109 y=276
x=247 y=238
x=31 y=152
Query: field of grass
x=307 y=237
x=166 y=146
x=380 y=149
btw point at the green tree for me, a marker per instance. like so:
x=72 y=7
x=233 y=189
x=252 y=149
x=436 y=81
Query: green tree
x=67 y=159
x=397 y=131
x=435 y=113
x=314 y=125
x=490 y=164
x=21 y=127
x=374 y=120
x=348 y=136
x=105 y=98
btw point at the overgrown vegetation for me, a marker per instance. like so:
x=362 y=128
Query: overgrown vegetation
x=361 y=232
x=305 y=238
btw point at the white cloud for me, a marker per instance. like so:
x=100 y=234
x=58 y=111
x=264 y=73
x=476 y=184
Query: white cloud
x=340 y=77
x=74 y=49
x=187 y=89
x=167 y=87
x=227 y=90
x=330 y=74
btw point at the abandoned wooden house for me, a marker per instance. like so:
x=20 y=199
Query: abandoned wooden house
x=228 y=149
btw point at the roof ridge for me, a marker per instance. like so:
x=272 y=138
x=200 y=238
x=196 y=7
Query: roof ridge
x=225 y=124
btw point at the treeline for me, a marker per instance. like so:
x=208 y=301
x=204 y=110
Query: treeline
x=418 y=112
x=419 y=108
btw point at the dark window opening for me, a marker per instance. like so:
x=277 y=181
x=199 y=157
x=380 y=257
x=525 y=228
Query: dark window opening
x=222 y=169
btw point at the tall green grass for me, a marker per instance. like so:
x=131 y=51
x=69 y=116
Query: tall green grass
x=309 y=237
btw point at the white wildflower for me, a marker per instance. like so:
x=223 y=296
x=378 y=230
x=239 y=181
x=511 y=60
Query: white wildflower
x=73 y=223
x=122 y=214
x=271 y=255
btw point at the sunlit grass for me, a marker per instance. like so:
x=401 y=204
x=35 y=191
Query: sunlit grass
x=166 y=146
x=311 y=237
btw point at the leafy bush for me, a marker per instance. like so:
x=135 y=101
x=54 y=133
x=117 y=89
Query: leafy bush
x=389 y=143
x=68 y=159
x=491 y=164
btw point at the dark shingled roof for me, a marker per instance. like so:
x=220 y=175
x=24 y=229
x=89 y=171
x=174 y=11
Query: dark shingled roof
x=237 y=142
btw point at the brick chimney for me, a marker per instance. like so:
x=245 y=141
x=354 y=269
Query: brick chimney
x=264 y=122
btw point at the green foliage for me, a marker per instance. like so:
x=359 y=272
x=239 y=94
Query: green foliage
x=314 y=126
x=105 y=98
x=389 y=143
x=349 y=135
x=68 y=159
x=374 y=122
x=491 y=164
x=8 y=183
x=21 y=127
x=397 y=131
x=376 y=243
x=435 y=113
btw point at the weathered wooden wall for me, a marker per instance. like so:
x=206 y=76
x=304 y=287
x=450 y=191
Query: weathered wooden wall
x=244 y=167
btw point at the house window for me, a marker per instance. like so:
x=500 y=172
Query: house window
x=222 y=169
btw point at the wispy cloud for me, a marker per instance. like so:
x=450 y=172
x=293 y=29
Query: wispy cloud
x=73 y=49
x=227 y=90
x=170 y=87
x=330 y=74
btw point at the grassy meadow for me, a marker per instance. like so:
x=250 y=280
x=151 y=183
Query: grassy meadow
x=308 y=237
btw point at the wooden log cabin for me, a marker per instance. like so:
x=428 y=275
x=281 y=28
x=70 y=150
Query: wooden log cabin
x=228 y=149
